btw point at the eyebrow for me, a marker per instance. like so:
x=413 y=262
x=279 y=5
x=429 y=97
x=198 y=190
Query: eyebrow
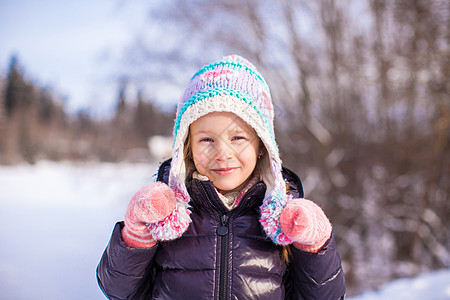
x=203 y=131
x=237 y=130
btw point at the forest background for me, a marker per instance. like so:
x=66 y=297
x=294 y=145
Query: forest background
x=361 y=90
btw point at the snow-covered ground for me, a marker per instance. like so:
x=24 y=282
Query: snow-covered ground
x=429 y=286
x=56 y=219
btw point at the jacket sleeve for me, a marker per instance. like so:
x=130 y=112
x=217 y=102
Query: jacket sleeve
x=125 y=272
x=317 y=275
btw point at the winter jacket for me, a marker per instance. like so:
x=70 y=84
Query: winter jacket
x=222 y=255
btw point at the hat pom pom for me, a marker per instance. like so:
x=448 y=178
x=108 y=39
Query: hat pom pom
x=271 y=210
x=174 y=225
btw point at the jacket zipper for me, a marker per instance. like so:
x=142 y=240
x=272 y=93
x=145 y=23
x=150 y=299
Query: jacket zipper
x=222 y=231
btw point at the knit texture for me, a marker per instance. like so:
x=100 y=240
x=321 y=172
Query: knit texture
x=306 y=224
x=148 y=212
x=233 y=85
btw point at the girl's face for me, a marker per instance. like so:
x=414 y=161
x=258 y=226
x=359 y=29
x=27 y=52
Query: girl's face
x=224 y=149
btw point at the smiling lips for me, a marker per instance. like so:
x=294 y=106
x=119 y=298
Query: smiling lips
x=224 y=171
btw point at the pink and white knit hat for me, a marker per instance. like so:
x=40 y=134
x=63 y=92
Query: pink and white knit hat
x=231 y=85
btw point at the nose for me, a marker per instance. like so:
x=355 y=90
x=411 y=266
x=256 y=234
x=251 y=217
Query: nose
x=223 y=151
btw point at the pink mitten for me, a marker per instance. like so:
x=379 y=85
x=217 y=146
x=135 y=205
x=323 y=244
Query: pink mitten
x=306 y=224
x=150 y=205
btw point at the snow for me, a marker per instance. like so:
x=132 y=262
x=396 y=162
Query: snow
x=56 y=219
x=432 y=286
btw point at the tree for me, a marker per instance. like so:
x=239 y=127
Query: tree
x=15 y=87
x=20 y=107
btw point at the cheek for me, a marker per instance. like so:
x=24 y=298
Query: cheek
x=201 y=156
x=202 y=153
x=200 y=162
x=247 y=159
x=250 y=154
x=251 y=159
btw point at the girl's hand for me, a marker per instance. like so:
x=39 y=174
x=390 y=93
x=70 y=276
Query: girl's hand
x=150 y=205
x=306 y=224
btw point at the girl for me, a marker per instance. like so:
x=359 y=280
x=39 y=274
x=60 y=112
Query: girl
x=224 y=220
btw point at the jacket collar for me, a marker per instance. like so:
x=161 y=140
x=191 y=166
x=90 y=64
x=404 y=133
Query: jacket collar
x=204 y=196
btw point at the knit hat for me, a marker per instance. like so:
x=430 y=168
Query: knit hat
x=232 y=85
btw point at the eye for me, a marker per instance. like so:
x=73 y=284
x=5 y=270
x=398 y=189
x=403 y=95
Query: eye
x=238 y=137
x=206 y=139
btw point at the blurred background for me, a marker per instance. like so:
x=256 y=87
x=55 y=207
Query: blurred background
x=88 y=93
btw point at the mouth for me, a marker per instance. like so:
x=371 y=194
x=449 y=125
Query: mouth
x=224 y=171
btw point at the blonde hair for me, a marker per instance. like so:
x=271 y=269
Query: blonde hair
x=187 y=156
x=187 y=151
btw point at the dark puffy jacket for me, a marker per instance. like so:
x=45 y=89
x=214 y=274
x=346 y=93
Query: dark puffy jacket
x=222 y=255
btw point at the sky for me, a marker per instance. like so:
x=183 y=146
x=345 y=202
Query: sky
x=75 y=47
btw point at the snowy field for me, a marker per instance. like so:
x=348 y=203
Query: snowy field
x=56 y=220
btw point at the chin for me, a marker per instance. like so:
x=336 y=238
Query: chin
x=226 y=187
